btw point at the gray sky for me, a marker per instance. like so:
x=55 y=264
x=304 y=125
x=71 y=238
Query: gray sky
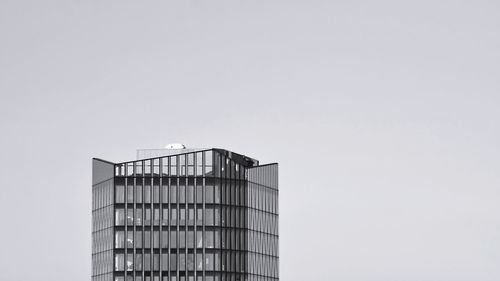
x=383 y=116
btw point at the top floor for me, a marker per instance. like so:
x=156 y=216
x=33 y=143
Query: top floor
x=214 y=162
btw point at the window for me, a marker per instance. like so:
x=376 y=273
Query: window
x=173 y=239
x=119 y=262
x=119 y=239
x=156 y=216
x=173 y=194
x=209 y=239
x=173 y=216
x=191 y=216
x=130 y=262
x=182 y=193
x=182 y=165
x=209 y=261
x=130 y=239
x=130 y=193
x=199 y=194
x=147 y=216
x=208 y=163
x=147 y=167
x=138 y=261
x=147 y=261
x=182 y=239
x=147 y=194
x=164 y=193
x=164 y=162
x=138 y=193
x=216 y=194
x=156 y=166
x=156 y=261
x=147 y=239
x=182 y=216
x=138 y=216
x=209 y=216
x=190 y=239
x=138 y=168
x=165 y=217
x=190 y=193
x=164 y=262
x=173 y=262
x=199 y=216
x=182 y=261
x=190 y=158
x=156 y=239
x=199 y=164
x=138 y=239
x=120 y=217
x=156 y=192
x=199 y=239
x=209 y=194
x=120 y=193
x=190 y=262
x=173 y=166
x=199 y=261
x=164 y=239
x=130 y=216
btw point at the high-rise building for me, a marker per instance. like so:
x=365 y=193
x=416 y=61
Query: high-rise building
x=185 y=215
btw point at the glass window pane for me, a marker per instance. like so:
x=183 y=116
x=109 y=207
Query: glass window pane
x=130 y=262
x=173 y=166
x=199 y=261
x=119 y=262
x=156 y=216
x=130 y=216
x=130 y=193
x=182 y=193
x=120 y=217
x=138 y=193
x=190 y=239
x=164 y=264
x=209 y=239
x=165 y=217
x=130 y=239
x=147 y=216
x=138 y=239
x=191 y=216
x=173 y=239
x=208 y=163
x=199 y=216
x=164 y=162
x=182 y=239
x=190 y=193
x=138 y=261
x=173 y=216
x=119 y=239
x=120 y=193
x=199 y=239
x=147 y=239
x=190 y=262
x=209 y=216
x=138 y=216
x=138 y=168
x=173 y=261
x=173 y=194
x=147 y=193
x=199 y=164
x=209 y=194
x=164 y=239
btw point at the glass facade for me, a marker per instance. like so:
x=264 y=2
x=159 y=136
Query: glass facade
x=204 y=215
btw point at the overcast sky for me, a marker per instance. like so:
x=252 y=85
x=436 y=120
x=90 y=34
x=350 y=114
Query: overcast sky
x=383 y=115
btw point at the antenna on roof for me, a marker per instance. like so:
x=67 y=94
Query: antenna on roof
x=175 y=146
